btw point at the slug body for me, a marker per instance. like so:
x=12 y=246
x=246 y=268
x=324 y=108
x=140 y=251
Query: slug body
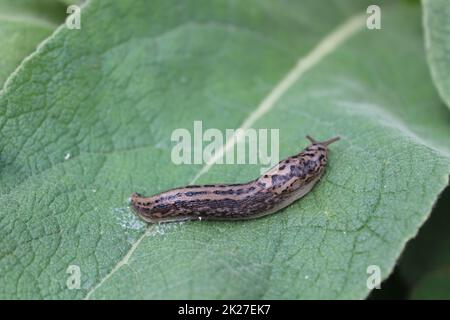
x=281 y=185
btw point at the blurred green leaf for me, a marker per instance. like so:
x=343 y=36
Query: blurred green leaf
x=426 y=256
x=434 y=286
x=436 y=19
x=87 y=121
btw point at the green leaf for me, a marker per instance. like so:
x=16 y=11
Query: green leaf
x=436 y=21
x=88 y=120
x=23 y=25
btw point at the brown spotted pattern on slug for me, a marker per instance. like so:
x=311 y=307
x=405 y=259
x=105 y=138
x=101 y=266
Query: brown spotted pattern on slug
x=281 y=185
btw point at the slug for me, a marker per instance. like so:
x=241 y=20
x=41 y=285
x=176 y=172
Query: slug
x=277 y=188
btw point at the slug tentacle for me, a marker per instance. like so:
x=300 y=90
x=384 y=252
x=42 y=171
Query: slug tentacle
x=281 y=185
